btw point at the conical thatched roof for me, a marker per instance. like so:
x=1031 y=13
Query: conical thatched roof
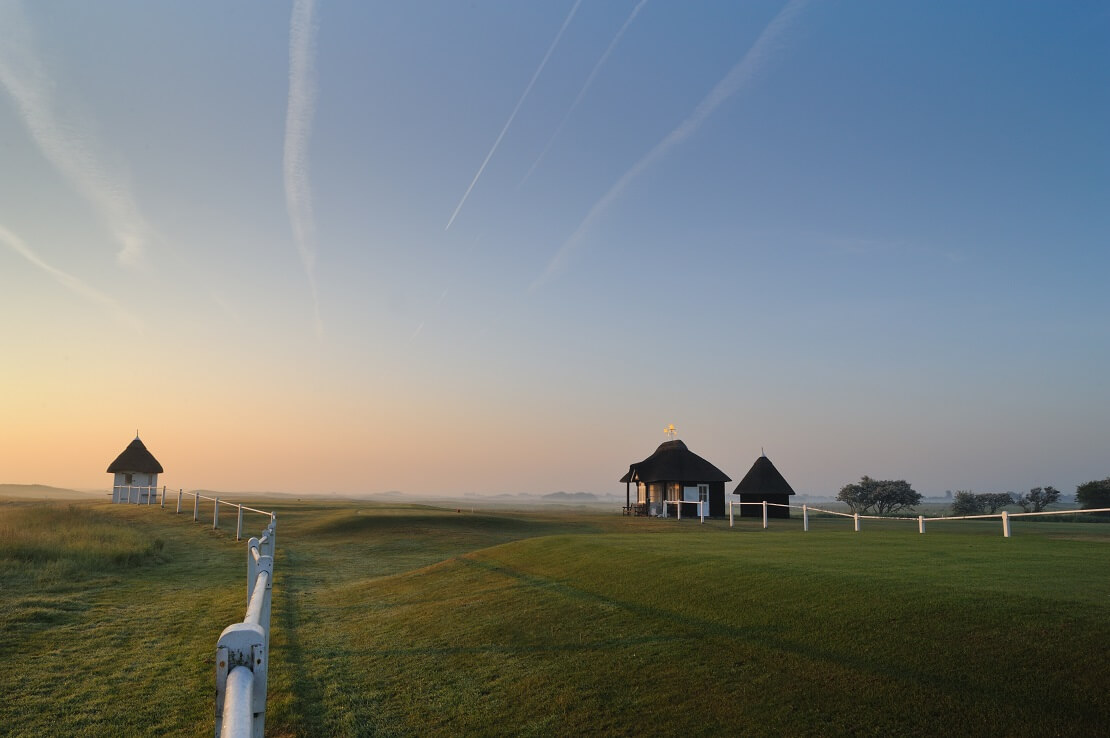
x=135 y=458
x=763 y=479
x=673 y=462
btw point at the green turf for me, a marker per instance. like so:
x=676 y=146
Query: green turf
x=405 y=620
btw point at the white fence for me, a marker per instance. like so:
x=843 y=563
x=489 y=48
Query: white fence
x=157 y=495
x=136 y=494
x=242 y=650
x=1004 y=516
x=702 y=504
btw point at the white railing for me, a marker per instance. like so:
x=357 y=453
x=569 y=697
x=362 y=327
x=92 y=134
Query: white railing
x=1005 y=515
x=679 y=503
x=242 y=651
x=135 y=494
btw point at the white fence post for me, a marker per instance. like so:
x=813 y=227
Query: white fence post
x=252 y=566
x=765 y=513
x=805 y=518
x=241 y=646
x=856 y=516
x=701 y=510
x=216 y=513
x=920 y=523
x=730 y=504
x=196 y=506
x=1005 y=524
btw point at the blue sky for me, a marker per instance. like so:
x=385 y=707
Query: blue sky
x=343 y=246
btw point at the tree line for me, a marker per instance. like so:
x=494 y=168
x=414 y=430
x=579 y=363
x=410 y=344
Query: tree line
x=889 y=496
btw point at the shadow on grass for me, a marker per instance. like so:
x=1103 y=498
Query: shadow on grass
x=305 y=715
x=608 y=644
x=756 y=636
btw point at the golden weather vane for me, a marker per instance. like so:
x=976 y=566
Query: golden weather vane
x=670 y=431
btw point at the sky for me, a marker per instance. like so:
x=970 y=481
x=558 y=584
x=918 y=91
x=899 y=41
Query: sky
x=496 y=246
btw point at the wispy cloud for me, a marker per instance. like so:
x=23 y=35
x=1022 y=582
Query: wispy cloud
x=70 y=282
x=66 y=144
x=300 y=109
x=740 y=75
x=512 y=115
x=585 y=88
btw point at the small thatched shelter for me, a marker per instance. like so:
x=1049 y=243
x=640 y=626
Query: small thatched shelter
x=764 y=482
x=136 y=474
x=676 y=473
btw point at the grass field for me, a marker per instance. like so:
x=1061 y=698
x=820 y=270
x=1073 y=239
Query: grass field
x=407 y=620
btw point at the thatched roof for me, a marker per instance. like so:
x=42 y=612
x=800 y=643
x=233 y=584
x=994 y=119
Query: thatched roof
x=673 y=462
x=135 y=458
x=763 y=479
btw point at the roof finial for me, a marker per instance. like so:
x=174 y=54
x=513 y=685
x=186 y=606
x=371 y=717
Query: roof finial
x=762 y=452
x=136 y=434
x=670 y=431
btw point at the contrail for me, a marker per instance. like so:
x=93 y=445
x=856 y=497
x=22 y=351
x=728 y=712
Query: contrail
x=582 y=92
x=62 y=142
x=512 y=115
x=740 y=75
x=435 y=308
x=67 y=280
x=298 y=128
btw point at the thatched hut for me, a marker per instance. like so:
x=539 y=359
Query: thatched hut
x=136 y=474
x=763 y=482
x=675 y=473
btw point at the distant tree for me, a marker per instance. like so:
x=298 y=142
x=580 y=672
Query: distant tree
x=1093 y=495
x=884 y=495
x=948 y=494
x=967 y=502
x=993 y=500
x=1038 y=498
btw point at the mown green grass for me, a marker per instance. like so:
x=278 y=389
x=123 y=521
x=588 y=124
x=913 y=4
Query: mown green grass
x=405 y=620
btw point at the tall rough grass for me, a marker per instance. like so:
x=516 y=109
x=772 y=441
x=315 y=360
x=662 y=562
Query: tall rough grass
x=51 y=541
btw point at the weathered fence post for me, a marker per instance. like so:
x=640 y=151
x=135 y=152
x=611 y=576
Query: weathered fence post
x=805 y=518
x=179 y=501
x=239 y=525
x=920 y=523
x=856 y=516
x=216 y=513
x=163 y=497
x=730 y=504
x=1005 y=524
x=765 y=513
x=701 y=510
x=196 y=507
